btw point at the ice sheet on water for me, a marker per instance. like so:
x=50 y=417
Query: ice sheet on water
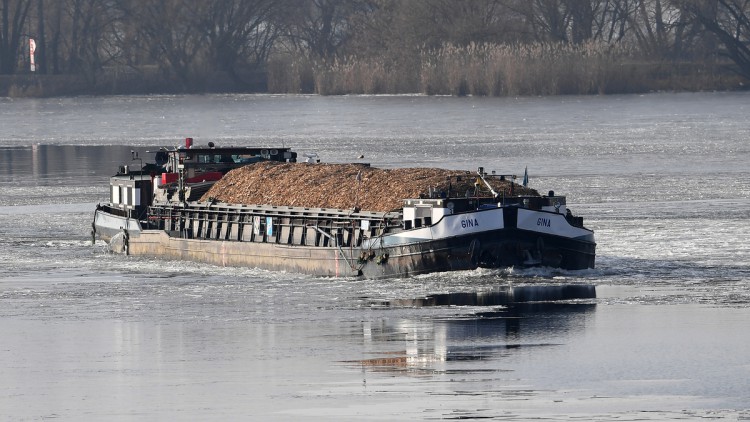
x=662 y=178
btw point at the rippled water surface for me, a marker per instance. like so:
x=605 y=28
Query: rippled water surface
x=662 y=179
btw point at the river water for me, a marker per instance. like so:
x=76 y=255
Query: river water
x=662 y=179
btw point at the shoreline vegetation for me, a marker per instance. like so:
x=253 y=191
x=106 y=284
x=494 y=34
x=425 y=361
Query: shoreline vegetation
x=476 y=70
x=500 y=70
x=498 y=48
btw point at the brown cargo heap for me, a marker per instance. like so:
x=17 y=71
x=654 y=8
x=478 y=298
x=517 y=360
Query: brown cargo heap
x=346 y=186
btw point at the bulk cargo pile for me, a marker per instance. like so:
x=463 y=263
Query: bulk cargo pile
x=346 y=186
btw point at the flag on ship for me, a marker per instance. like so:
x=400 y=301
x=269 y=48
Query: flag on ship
x=526 y=176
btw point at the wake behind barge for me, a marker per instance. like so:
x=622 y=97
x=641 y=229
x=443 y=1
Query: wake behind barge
x=156 y=212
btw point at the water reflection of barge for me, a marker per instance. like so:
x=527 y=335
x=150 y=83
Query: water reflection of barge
x=476 y=326
x=155 y=212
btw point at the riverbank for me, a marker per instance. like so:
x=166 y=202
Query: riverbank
x=455 y=77
x=504 y=71
x=118 y=82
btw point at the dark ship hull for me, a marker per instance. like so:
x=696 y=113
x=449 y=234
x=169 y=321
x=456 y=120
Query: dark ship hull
x=234 y=236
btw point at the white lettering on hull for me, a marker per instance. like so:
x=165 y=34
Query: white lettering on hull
x=549 y=223
x=475 y=222
x=471 y=222
x=448 y=226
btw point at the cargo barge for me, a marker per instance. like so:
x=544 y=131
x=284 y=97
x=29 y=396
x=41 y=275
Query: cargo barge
x=162 y=210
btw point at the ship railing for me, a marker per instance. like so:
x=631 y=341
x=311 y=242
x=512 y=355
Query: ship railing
x=113 y=210
x=242 y=224
x=338 y=244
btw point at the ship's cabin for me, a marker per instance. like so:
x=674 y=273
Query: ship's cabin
x=424 y=212
x=209 y=159
x=428 y=211
x=549 y=202
x=130 y=192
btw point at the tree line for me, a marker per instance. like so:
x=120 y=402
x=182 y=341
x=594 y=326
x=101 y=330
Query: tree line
x=480 y=47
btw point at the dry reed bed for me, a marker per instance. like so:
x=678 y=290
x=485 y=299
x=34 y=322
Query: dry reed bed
x=476 y=69
x=342 y=186
x=494 y=70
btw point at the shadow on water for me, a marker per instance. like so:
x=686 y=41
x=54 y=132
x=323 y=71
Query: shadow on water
x=504 y=296
x=479 y=327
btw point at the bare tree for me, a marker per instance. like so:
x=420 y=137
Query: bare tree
x=472 y=21
x=41 y=39
x=14 y=15
x=173 y=30
x=567 y=21
x=241 y=33
x=322 y=27
x=729 y=21
x=549 y=19
x=612 y=19
x=93 y=43
x=653 y=23
x=53 y=43
x=192 y=39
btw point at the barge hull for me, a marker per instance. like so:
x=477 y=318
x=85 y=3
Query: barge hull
x=268 y=256
x=503 y=248
x=107 y=225
x=495 y=249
